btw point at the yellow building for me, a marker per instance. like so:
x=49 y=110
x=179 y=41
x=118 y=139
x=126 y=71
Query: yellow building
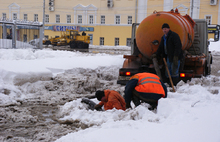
x=107 y=22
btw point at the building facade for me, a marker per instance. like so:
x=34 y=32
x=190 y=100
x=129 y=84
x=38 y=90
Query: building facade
x=107 y=22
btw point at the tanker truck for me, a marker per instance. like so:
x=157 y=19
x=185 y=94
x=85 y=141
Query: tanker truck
x=145 y=40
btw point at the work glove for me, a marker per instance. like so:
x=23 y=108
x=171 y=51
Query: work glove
x=175 y=60
x=98 y=106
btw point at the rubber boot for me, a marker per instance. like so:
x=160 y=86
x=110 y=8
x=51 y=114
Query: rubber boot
x=153 y=106
x=168 y=81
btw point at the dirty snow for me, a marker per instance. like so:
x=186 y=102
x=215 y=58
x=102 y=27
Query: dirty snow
x=62 y=78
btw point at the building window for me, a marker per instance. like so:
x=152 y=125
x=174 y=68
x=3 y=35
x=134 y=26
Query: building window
x=47 y=18
x=117 y=19
x=79 y=19
x=208 y=19
x=25 y=17
x=110 y=3
x=68 y=18
x=102 y=19
x=35 y=17
x=128 y=42
x=14 y=16
x=116 y=41
x=90 y=19
x=57 y=18
x=129 y=19
x=4 y=15
x=101 y=40
x=35 y=36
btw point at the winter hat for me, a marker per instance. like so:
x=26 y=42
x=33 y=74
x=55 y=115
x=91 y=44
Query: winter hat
x=99 y=95
x=165 y=25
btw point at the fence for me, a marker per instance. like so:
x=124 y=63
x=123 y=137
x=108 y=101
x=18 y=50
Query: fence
x=20 y=34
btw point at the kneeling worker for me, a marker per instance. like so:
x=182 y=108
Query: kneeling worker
x=146 y=87
x=110 y=99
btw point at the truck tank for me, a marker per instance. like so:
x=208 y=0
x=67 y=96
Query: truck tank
x=149 y=32
x=145 y=39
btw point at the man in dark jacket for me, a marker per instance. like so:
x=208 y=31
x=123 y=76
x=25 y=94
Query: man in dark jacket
x=171 y=49
x=145 y=87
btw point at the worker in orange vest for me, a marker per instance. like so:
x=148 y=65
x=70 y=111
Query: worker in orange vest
x=146 y=87
x=110 y=99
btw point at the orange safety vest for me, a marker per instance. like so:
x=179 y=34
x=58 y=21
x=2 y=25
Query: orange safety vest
x=149 y=83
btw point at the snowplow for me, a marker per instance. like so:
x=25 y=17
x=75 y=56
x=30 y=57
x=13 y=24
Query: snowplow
x=145 y=40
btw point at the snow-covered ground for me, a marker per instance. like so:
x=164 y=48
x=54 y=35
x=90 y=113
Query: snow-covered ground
x=191 y=114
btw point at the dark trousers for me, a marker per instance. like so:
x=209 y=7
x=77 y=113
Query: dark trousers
x=137 y=99
x=174 y=71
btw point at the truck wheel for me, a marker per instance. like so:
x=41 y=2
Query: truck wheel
x=86 y=45
x=207 y=69
x=73 y=44
x=80 y=45
x=47 y=42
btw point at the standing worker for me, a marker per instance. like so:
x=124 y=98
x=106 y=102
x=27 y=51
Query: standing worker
x=171 y=49
x=110 y=99
x=146 y=87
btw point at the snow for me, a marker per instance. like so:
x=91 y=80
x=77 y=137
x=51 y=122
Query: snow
x=190 y=114
x=7 y=43
x=214 y=47
x=17 y=63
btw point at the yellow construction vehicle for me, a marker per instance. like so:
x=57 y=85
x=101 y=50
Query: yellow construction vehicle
x=58 y=41
x=55 y=41
x=74 y=39
x=51 y=40
x=79 y=41
x=65 y=38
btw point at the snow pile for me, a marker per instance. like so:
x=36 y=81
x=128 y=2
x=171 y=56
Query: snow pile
x=70 y=85
x=19 y=66
x=77 y=111
x=185 y=115
x=30 y=68
x=214 y=47
x=7 y=44
x=35 y=42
